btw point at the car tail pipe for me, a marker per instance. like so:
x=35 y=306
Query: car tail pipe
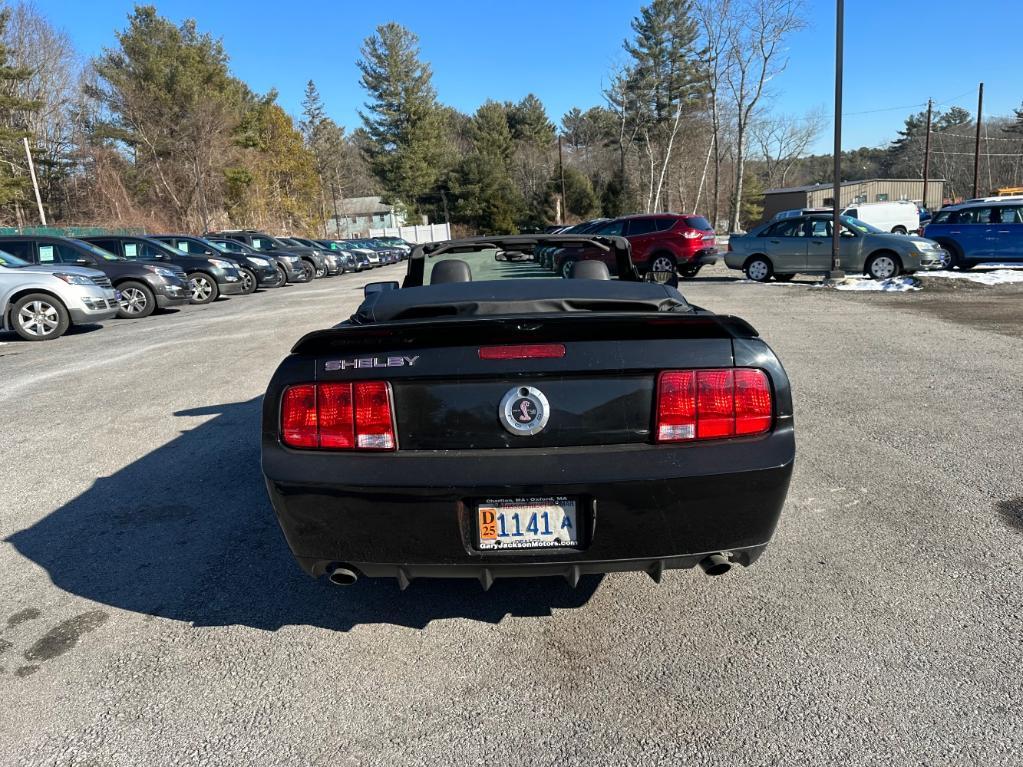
x=715 y=564
x=341 y=575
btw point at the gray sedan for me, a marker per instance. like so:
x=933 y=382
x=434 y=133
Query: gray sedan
x=802 y=245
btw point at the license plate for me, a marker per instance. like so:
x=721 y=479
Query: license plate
x=528 y=523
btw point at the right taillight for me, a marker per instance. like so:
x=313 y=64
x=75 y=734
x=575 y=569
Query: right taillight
x=712 y=404
x=338 y=416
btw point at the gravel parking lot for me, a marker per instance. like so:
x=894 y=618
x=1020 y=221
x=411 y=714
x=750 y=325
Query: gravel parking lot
x=150 y=612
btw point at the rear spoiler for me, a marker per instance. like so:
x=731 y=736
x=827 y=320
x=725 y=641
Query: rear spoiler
x=619 y=247
x=532 y=328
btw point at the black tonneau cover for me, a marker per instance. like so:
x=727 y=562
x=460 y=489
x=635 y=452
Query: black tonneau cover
x=518 y=297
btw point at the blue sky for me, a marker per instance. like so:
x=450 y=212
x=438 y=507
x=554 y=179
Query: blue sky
x=898 y=52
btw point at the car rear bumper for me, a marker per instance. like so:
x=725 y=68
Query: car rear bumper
x=642 y=507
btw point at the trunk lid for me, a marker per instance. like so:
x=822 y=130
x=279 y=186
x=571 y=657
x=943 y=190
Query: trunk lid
x=602 y=391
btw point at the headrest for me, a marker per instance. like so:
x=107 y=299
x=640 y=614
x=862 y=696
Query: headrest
x=450 y=270
x=590 y=269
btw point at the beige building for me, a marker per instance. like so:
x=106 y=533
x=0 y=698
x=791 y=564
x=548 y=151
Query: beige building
x=854 y=193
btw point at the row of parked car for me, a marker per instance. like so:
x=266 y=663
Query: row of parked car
x=977 y=231
x=50 y=282
x=661 y=242
x=960 y=236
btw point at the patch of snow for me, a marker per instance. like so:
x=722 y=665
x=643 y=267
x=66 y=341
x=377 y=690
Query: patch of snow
x=996 y=277
x=894 y=285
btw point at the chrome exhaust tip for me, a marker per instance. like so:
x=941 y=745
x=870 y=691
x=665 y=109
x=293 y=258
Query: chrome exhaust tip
x=342 y=576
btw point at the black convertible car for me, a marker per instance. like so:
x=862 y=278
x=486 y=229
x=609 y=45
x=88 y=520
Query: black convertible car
x=490 y=420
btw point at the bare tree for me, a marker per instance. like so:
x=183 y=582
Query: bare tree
x=47 y=53
x=714 y=18
x=755 y=31
x=779 y=142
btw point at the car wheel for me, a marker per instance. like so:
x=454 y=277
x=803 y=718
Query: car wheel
x=39 y=317
x=320 y=271
x=282 y=276
x=137 y=300
x=758 y=269
x=689 y=272
x=248 y=281
x=883 y=266
x=784 y=277
x=899 y=230
x=308 y=273
x=662 y=262
x=566 y=267
x=204 y=288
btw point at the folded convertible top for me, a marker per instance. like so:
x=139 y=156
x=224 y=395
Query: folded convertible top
x=518 y=297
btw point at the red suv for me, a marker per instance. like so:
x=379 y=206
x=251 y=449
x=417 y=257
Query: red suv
x=660 y=242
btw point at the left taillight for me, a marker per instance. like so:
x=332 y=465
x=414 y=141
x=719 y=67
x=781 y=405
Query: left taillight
x=712 y=404
x=339 y=416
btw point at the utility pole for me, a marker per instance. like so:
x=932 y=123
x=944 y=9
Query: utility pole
x=836 y=272
x=337 y=216
x=35 y=184
x=561 y=170
x=976 y=144
x=927 y=151
x=444 y=199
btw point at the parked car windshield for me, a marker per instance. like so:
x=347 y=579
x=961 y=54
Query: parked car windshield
x=6 y=259
x=97 y=251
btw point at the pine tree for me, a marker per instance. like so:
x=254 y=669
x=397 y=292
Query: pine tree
x=529 y=123
x=665 y=80
x=402 y=120
x=313 y=113
x=1016 y=127
x=487 y=196
x=171 y=102
x=12 y=123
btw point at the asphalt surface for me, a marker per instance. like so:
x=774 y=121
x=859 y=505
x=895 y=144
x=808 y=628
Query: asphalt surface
x=150 y=612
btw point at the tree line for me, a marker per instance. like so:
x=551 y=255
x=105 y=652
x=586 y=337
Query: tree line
x=158 y=132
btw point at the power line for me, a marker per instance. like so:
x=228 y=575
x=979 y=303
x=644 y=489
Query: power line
x=985 y=154
x=946 y=102
x=986 y=138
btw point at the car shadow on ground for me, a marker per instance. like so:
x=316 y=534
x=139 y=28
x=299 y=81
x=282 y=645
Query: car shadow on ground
x=187 y=532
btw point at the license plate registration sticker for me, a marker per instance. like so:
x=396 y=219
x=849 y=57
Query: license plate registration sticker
x=528 y=523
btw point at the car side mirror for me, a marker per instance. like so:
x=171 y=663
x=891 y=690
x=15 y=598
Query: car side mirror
x=379 y=287
x=669 y=278
x=500 y=255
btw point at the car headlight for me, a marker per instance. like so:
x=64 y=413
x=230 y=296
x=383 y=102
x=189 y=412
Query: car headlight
x=163 y=271
x=73 y=279
x=294 y=259
x=255 y=261
x=221 y=264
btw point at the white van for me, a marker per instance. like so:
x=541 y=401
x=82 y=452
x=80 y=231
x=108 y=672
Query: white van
x=896 y=217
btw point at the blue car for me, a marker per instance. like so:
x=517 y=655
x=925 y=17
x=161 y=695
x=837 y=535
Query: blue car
x=980 y=231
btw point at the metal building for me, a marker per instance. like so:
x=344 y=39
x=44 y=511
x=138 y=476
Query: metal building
x=854 y=193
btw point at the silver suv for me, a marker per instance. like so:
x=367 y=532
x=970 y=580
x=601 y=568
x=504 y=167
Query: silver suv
x=40 y=303
x=802 y=245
